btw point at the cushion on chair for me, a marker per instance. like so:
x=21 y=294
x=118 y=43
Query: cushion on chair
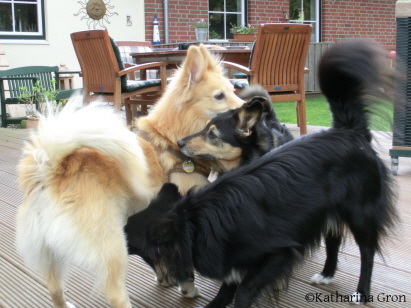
x=240 y=76
x=239 y=83
x=251 y=55
x=120 y=65
x=133 y=85
x=125 y=52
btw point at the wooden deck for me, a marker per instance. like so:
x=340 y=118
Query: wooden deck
x=21 y=287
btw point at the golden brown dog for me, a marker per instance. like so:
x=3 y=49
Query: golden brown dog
x=83 y=173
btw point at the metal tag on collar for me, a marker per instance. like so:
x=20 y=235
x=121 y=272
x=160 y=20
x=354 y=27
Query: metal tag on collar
x=188 y=166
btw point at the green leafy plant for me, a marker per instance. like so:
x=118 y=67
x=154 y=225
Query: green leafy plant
x=38 y=96
x=214 y=35
x=244 y=29
x=201 y=23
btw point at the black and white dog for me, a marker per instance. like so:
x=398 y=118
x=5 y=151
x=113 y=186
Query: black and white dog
x=252 y=226
x=237 y=137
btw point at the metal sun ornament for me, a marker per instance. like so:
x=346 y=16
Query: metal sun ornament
x=96 y=12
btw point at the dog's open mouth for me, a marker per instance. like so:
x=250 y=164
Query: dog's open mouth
x=203 y=156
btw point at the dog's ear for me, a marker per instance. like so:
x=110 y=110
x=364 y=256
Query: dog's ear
x=260 y=102
x=169 y=192
x=166 y=198
x=163 y=231
x=197 y=63
x=248 y=116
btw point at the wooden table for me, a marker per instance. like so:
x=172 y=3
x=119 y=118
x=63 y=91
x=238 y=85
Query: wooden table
x=175 y=57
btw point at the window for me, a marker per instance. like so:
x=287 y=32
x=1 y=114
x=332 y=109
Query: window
x=307 y=12
x=222 y=14
x=22 y=19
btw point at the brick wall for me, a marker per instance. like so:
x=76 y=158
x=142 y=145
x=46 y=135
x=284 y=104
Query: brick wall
x=266 y=11
x=373 y=19
x=181 y=14
x=340 y=20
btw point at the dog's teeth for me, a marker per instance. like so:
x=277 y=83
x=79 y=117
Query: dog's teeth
x=320 y=279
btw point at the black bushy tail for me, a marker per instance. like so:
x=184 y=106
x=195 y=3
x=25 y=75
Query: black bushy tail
x=355 y=77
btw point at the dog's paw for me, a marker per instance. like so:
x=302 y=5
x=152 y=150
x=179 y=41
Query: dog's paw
x=357 y=298
x=189 y=290
x=163 y=282
x=320 y=279
x=70 y=305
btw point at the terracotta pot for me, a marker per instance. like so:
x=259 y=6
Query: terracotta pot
x=244 y=37
x=32 y=123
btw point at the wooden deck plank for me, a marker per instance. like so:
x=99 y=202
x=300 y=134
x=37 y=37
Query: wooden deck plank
x=21 y=287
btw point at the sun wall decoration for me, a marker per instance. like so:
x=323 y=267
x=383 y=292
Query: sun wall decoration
x=96 y=12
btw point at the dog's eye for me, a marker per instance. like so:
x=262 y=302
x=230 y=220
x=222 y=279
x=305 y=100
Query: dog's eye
x=219 y=96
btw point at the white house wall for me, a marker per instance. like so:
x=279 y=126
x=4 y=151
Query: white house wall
x=60 y=22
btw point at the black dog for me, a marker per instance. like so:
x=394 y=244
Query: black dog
x=239 y=136
x=253 y=225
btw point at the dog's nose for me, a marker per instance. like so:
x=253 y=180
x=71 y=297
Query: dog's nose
x=181 y=143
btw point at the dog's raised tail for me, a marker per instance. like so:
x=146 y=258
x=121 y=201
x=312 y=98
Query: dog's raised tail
x=94 y=127
x=356 y=78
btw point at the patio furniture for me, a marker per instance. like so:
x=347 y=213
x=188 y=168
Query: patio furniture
x=174 y=57
x=26 y=77
x=128 y=47
x=278 y=64
x=105 y=77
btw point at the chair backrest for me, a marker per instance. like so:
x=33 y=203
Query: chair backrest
x=44 y=75
x=97 y=60
x=279 y=56
x=127 y=47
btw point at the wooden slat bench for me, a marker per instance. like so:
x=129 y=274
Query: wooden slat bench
x=26 y=77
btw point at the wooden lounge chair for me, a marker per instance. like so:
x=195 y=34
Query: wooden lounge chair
x=105 y=77
x=278 y=64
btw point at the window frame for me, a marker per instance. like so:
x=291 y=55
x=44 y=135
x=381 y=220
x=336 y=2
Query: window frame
x=242 y=13
x=316 y=38
x=38 y=35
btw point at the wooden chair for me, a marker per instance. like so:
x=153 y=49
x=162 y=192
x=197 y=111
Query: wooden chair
x=105 y=77
x=126 y=48
x=278 y=64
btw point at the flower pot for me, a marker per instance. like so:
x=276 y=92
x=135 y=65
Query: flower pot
x=201 y=34
x=244 y=37
x=32 y=123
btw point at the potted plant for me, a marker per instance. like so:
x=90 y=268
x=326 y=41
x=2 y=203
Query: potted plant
x=201 y=29
x=36 y=101
x=244 y=33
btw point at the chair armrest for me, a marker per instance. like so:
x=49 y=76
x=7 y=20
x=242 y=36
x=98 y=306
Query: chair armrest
x=128 y=64
x=144 y=66
x=237 y=67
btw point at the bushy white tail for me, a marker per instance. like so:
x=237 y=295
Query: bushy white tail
x=95 y=127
